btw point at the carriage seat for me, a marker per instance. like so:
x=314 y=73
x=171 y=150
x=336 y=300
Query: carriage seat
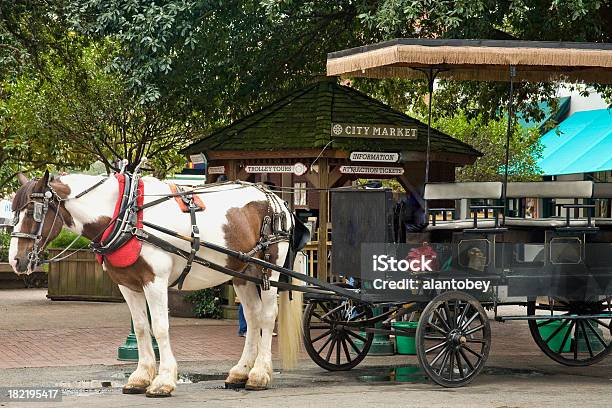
x=552 y=222
x=459 y=191
x=550 y=189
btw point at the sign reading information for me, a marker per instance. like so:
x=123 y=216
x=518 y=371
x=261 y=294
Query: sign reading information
x=298 y=168
x=381 y=171
x=373 y=131
x=375 y=157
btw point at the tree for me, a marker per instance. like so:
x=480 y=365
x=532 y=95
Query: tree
x=92 y=117
x=489 y=137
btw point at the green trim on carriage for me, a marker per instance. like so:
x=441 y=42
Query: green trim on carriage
x=302 y=120
x=580 y=144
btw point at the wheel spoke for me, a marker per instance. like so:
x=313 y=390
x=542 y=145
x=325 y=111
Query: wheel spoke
x=607 y=326
x=586 y=338
x=459 y=365
x=451 y=364
x=557 y=330
x=463 y=314
x=466 y=358
x=437 y=328
x=331 y=348
x=440 y=318
x=434 y=338
x=436 y=358
x=353 y=345
x=320 y=326
x=601 y=340
x=355 y=335
x=444 y=360
x=433 y=348
x=321 y=336
x=470 y=320
x=567 y=333
x=329 y=339
x=321 y=318
x=338 y=350
x=474 y=330
x=473 y=352
x=450 y=320
x=346 y=350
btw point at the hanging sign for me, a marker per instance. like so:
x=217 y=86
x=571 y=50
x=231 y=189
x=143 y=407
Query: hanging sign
x=375 y=157
x=381 y=171
x=298 y=168
x=373 y=131
x=216 y=170
x=197 y=158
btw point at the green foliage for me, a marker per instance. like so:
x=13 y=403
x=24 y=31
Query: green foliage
x=65 y=238
x=5 y=241
x=206 y=303
x=489 y=137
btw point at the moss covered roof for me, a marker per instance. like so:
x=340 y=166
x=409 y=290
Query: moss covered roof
x=302 y=120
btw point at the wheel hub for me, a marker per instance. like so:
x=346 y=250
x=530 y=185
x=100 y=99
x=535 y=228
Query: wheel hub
x=457 y=337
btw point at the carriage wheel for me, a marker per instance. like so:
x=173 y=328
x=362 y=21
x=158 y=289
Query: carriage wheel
x=327 y=340
x=453 y=339
x=574 y=343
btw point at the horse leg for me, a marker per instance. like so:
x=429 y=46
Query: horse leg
x=145 y=372
x=249 y=298
x=157 y=298
x=260 y=375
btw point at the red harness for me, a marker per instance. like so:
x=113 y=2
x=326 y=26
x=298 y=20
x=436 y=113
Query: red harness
x=127 y=254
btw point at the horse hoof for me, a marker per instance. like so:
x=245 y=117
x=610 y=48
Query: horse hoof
x=158 y=394
x=235 y=386
x=133 y=390
x=251 y=387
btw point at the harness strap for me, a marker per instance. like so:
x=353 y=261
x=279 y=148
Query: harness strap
x=195 y=243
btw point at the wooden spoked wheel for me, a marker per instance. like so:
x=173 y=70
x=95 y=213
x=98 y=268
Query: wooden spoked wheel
x=328 y=340
x=453 y=339
x=569 y=339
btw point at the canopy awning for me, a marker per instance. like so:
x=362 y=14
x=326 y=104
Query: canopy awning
x=484 y=60
x=582 y=143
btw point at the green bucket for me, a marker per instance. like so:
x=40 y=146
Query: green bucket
x=406 y=344
x=555 y=343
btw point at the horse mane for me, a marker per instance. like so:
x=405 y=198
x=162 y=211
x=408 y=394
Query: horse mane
x=22 y=196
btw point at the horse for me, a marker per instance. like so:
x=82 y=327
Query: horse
x=232 y=218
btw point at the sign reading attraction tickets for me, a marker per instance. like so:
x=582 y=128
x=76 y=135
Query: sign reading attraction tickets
x=373 y=131
x=372 y=170
x=298 y=168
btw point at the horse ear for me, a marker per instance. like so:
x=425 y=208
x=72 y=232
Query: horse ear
x=23 y=180
x=43 y=182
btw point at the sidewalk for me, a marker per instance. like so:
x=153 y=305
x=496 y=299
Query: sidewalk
x=37 y=332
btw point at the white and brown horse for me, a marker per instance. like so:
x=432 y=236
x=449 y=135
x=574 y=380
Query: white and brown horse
x=233 y=218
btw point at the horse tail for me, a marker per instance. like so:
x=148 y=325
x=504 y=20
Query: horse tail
x=290 y=324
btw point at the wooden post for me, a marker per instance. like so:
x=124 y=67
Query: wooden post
x=322 y=272
x=286 y=193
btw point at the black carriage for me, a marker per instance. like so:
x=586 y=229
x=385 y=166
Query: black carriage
x=559 y=268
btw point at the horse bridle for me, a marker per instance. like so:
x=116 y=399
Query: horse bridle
x=39 y=214
x=49 y=199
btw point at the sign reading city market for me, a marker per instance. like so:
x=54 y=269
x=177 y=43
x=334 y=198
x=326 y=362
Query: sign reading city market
x=298 y=168
x=374 y=157
x=373 y=131
x=375 y=170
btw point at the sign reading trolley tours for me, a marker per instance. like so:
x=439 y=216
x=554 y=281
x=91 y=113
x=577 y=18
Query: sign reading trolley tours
x=375 y=157
x=298 y=168
x=381 y=171
x=373 y=131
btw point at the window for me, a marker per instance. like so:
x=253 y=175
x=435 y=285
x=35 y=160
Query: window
x=299 y=193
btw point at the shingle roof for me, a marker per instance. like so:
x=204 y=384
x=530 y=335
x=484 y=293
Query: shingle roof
x=302 y=120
